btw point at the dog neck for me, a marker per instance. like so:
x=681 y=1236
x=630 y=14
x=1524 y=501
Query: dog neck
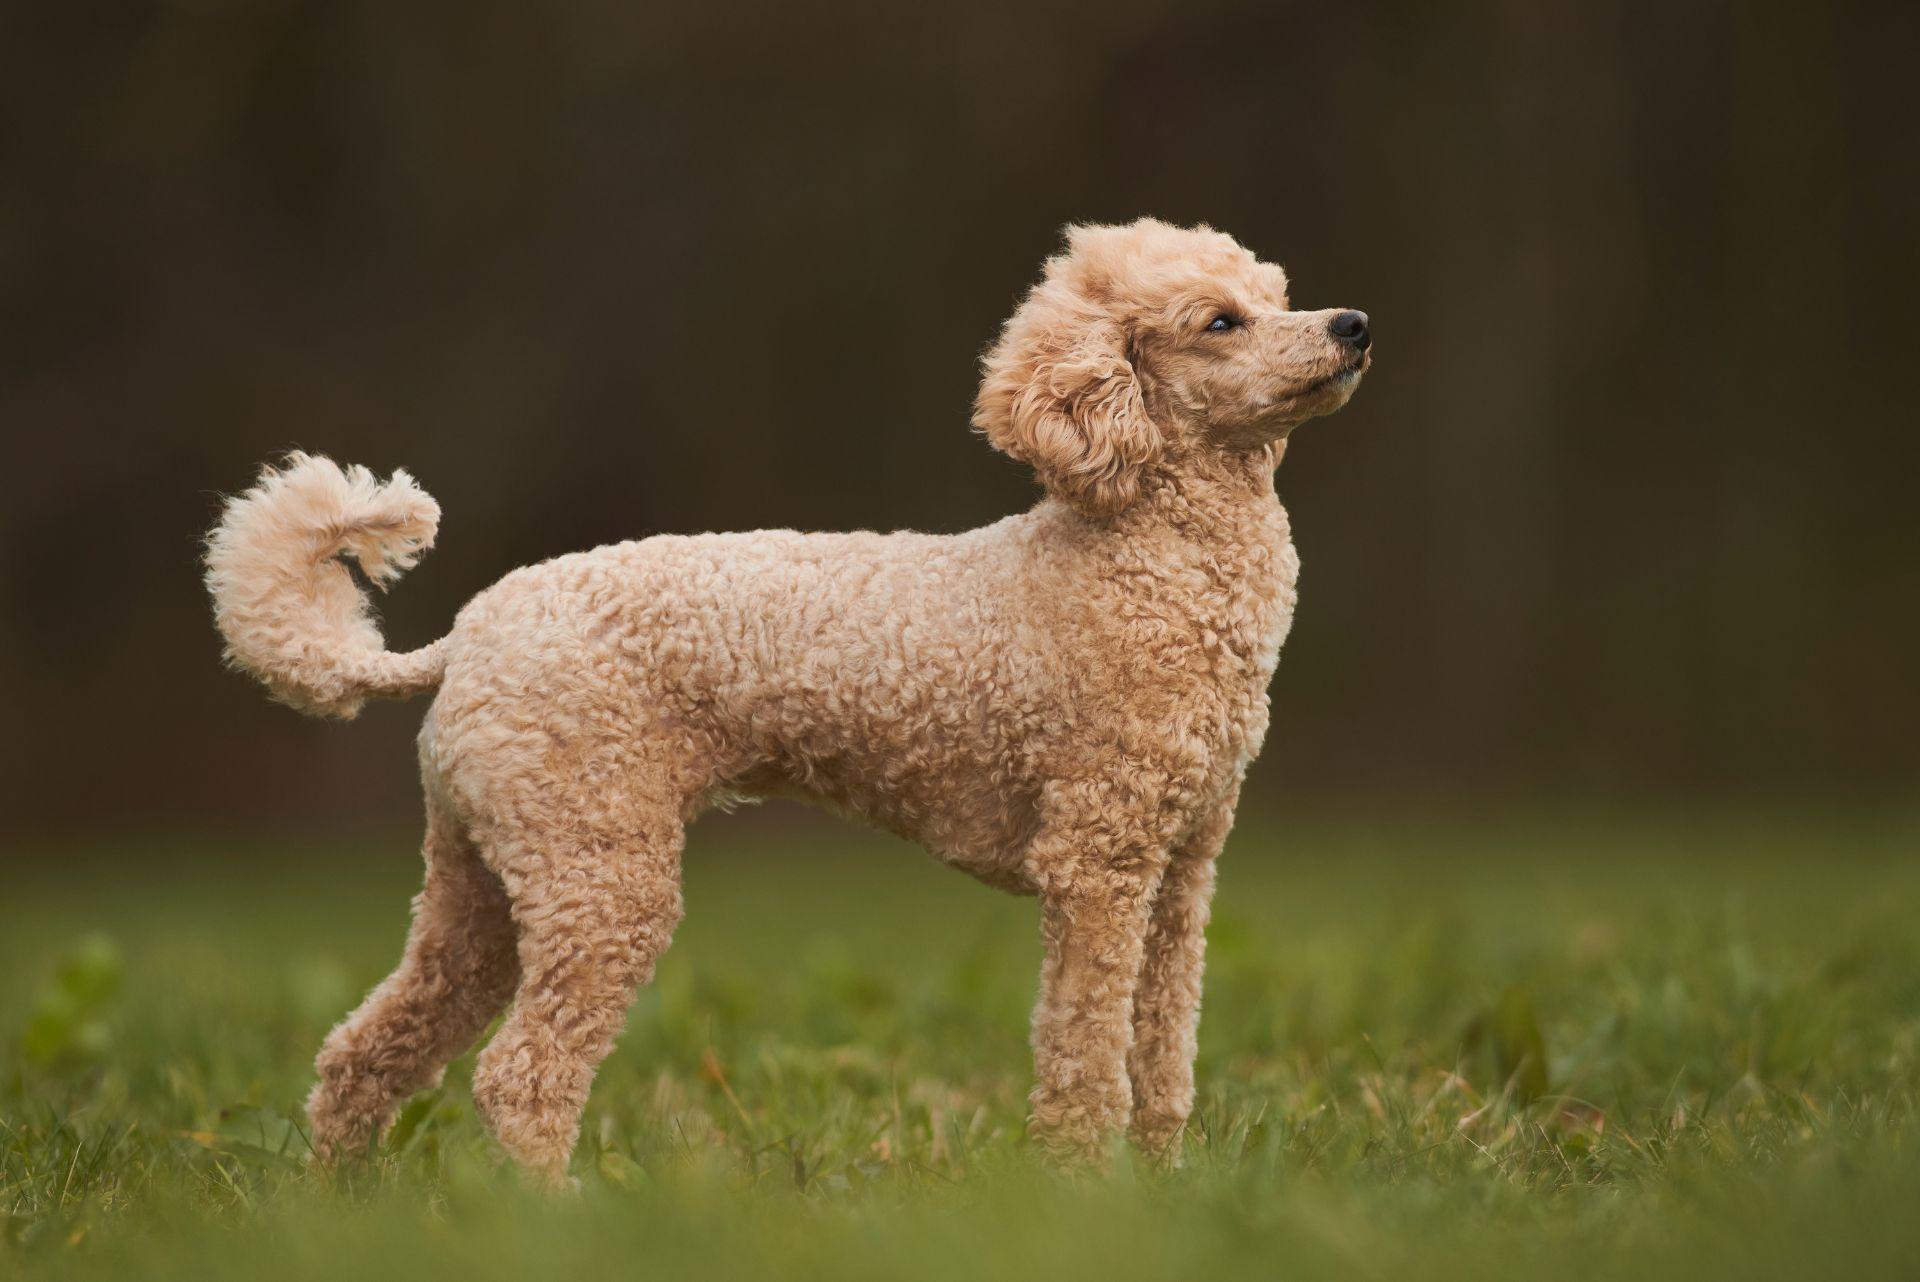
x=1218 y=499
x=1207 y=536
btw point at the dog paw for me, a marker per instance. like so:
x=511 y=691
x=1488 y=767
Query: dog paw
x=1158 y=1136
x=1071 y=1133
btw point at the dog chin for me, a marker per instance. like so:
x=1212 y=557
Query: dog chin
x=1276 y=423
x=1322 y=396
x=1336 y=387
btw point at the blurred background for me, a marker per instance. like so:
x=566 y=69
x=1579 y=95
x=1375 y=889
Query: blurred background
x=1624 y=508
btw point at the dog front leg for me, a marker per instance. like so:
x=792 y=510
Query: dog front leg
x=1094 y=904
x=1166 y=1002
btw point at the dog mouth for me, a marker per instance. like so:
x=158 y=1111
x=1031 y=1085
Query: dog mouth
x=1323 y=395
x=1341 y=378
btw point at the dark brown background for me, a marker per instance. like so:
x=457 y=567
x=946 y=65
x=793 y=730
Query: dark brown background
x=1625 y=507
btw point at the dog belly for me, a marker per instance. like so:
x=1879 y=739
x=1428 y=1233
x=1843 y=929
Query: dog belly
x=980 y=832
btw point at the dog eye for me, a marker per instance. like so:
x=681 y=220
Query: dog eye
x=1220 y=324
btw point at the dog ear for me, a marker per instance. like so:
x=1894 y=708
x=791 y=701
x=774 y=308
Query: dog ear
x=1058 y=393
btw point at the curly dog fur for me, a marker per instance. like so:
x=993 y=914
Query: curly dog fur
x=1062 y=703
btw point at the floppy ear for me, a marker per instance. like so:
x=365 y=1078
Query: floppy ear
x=1058 y=393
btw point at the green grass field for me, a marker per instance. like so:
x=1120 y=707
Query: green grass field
x=1459 y=1045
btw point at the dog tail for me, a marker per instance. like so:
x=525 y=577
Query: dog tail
x=290 y=612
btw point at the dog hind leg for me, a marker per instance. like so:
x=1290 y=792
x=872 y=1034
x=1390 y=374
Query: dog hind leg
x=458 y=970
x=596 y=900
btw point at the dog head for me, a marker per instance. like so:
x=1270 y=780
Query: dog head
x=1146 y=344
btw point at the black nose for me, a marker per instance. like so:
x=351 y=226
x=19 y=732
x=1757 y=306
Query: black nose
x=1351 y=327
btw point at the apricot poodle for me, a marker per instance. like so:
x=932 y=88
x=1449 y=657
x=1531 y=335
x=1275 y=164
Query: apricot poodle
x=1062 y=703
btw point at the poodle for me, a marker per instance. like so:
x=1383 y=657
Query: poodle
x=1062 y=703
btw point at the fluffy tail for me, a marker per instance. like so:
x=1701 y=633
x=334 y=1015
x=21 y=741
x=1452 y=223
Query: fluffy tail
x=291 y=613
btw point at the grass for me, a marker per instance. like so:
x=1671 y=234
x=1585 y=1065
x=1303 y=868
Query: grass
x=1557 y=1045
